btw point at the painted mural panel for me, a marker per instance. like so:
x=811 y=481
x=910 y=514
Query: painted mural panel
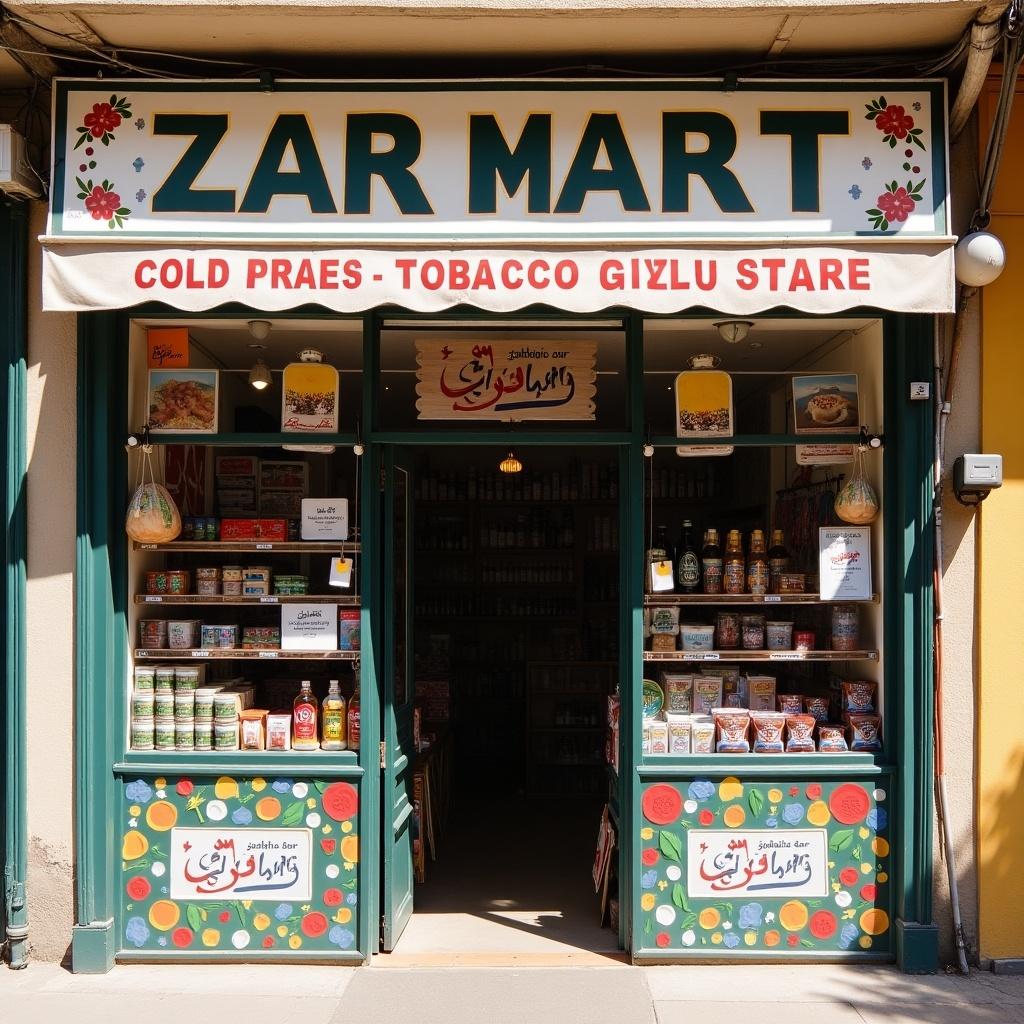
x=781 y=868
x=231 y=864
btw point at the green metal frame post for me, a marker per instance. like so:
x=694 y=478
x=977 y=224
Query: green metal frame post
x=14 y=906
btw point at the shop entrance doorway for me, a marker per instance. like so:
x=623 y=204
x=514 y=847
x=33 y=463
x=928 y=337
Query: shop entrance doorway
x=503 y=649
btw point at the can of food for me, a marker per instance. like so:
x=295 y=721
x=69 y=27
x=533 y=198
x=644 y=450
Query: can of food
x=163 y=704
x=208 y=572
x=226 y=636
x=803 y=640
x=181 y=633
x=204 y=735
x=208 y=588
x=153 y=633
x=231 y=574
x=156 y=582
x=845 y=627
x=142 y=733
x=231 y=588
x=177 y=581
x=753 y=632
x=163 y=734
x=184 y=706
x=185 y=735
x=225 y=735
x=188 y=528
x=142 y=704
x=163 y=678
x=226 y=707
x=792 y=582
x=208 y=636
x=727 y=630
x=212 y=528
x=204 y=705
x=780 y=636
x=186 y=677
x=145 y=677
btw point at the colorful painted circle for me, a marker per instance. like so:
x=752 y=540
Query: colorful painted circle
x=313 y=924
x=849 y=803
x=340 y=800
x=662 y=804
x=823 y=924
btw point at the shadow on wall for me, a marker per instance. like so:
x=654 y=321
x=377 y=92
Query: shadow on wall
x=1000 y=876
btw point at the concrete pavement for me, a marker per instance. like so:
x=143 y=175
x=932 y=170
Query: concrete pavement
x=279 y=994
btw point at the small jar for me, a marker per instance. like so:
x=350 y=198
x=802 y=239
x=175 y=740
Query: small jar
x=145 y=678
x=845 y=627
x=208 y=588
x=204 y=735
x=182 y=633
x=142 y=704
x=225 y=735
x=225 y=707
x=231 y=574
x=163 y=734
x=177 y=581
x=163 y=704
x=153 y=633
x=186 y=677
x=727 y=630
x=803 y=640
x=753 y=632
x=156 y=582
x=184 y=706
x=780 y=636
x=204 y=705
x=184 y=735
x=163 y=678
x=142 y=733
x=231 y=588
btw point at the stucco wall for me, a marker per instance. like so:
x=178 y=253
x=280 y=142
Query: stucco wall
x=50 y=615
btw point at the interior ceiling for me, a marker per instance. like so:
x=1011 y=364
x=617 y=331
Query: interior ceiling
x=308 y=38
x=667 y=343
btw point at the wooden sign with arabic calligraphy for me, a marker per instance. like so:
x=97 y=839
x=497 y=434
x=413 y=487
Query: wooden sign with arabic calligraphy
x=505 y=380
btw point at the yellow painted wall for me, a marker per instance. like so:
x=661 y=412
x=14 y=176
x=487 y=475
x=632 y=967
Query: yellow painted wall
x=1000 y=637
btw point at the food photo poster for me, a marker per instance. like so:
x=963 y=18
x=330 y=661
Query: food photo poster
x=826 y=402
x=183 y=401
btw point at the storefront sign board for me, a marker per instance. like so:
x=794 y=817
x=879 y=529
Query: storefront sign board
x=533 y=379
x=269 y=863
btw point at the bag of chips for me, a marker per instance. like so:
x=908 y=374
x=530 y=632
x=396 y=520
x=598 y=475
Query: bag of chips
x=152 y=517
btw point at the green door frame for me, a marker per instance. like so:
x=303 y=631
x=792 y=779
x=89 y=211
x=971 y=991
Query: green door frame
x=13 y=715
x=101 y=602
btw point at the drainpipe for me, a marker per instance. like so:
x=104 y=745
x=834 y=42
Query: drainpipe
x=13 y=257
x=985 y=35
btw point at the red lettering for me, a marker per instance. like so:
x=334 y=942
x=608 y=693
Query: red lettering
x=860 y=274
x=506 y=278
x=328 y=275
x=567 y=274
x=678 y=284
x=432 y=274
x=534 y=271
x=305 y=277
x=831 y=274
x=458 y=271
x=484 y=277
x=705 y=282
x=171 y=274
x=801 y=277
x=256 y=270
x=655 y=268
x=406 y=267
x=279 y=271
x=612 y=275
x=773 y=266
x=353 y=274
x=145 y=267
x=747 y=271
x=219 y=272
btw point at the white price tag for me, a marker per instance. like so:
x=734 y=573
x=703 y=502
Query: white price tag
x=711 y=656
x=772 y=598
x=200 y=654
x=268 y=600
x=147 y=547
x=786 y=656
x=268 y=654
x=153 y=599
x=142 y=654
x=264 y=547
x=341 y=572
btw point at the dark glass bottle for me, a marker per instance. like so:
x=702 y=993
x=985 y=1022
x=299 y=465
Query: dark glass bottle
x=711 y=564
x=687 y=561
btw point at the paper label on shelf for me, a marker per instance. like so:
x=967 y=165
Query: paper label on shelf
x=200 y=654
x=269 y=600
x=787 y=656
x=309 y=627
x=268 y=654
x=341 y=572
x=142 y=654
x=264 y=547
x=772 y=598
x=763 y=862
x=261 y=864
x=662 y=577
x=700 y=655
x=153 y=599
x=324 y=519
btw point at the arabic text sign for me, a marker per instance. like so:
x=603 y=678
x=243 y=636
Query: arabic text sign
x=509 y=381
x=489 y=160
x=764 y=862
x=250 y=863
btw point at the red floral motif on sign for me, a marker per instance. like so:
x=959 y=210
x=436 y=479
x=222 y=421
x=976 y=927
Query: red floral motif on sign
x=102 y=205
x=894 y=120
x=896 y=206
x=102 y=119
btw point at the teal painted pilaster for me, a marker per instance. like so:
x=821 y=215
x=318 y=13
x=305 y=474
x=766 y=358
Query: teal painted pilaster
x=100 y=632
x=909 y=636
x=14 y=906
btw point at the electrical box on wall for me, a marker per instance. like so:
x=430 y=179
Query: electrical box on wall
x=16 y=175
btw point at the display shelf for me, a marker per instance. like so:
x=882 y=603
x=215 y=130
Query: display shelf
x=340 y=763
x=229 y=653
x=268 y=599
x=714 y=656
x=661 y=600
x=306 y=547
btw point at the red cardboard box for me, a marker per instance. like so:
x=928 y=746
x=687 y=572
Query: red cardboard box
x=238 y=529
x=272 y=529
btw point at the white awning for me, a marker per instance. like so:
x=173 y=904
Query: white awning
x=734 y=279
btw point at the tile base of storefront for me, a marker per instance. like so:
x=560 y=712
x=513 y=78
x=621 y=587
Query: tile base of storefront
x=917 y=947
x=93 y=947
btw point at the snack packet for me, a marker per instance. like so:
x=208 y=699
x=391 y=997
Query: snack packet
x=733 y=728
x=768 y=727
x=831 y=738
x=859 y=695
x=865 y=731
x=800 y=734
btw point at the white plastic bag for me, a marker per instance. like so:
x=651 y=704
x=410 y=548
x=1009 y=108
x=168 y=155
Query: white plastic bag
x=152 y=517
x=857 y=502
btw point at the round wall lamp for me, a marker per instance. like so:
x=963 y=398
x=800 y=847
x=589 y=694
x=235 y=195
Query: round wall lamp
x=510 y=464
x=979 y=258
x=733 y=331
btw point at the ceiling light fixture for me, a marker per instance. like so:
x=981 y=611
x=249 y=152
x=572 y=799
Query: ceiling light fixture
x=733 y=331
x=259 y=329
x=259 y=375
x=510 y=464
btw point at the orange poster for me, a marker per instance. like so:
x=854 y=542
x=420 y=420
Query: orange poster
x=167 y=348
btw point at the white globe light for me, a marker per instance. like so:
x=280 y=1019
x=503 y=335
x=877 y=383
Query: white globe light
x=979 y=259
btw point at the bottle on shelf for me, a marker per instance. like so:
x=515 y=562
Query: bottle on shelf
x=711 y=564
x=734 y=565
x=304 y=716
x=333 y=718
x=778 y=561
x=757 y=565
x=687 y=561
x=352 y=720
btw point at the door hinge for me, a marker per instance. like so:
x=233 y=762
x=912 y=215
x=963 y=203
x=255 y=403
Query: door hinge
x=383 y=754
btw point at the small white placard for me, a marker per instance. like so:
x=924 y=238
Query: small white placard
x=341 y=572
x=769 y=862
x=844 y=563
x=824 y=454
x=662 y=577
x=309 y=627
x=325 y=519
x=241 y=864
